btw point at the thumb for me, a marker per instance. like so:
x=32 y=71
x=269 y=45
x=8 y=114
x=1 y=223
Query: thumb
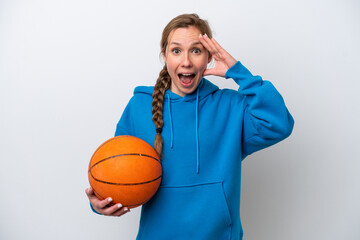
x=90 y=192
x=209 y=71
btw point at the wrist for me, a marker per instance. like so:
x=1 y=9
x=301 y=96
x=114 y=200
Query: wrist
x=231 y=62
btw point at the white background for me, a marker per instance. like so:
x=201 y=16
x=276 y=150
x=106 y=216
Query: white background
x=68 y=68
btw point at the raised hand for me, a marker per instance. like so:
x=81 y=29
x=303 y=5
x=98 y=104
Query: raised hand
x=223 y=60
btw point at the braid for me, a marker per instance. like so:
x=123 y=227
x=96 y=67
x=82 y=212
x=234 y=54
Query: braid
x=162 y=84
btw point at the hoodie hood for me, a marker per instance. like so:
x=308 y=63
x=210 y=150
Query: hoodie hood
x=204 y=89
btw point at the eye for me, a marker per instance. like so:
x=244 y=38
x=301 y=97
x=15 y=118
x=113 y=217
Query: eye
x=196 y=51
x=175 y=51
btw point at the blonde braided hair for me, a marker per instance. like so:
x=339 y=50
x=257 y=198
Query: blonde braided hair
x=162 y=84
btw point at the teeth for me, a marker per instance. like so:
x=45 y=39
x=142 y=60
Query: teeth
x=187 y=74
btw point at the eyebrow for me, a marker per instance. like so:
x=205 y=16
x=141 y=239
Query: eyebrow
x=194 y=43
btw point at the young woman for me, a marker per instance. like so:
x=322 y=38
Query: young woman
x=202 y=134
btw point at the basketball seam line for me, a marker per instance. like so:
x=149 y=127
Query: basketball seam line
x=124 y=184
x=125 y=154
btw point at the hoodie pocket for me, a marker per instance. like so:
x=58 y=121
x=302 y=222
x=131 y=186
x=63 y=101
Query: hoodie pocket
x=186 y=212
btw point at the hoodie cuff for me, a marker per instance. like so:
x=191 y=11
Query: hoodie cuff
x=242 y=76
x=94 y=210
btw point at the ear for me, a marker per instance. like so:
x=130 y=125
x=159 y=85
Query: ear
x=164 y=58
x=209 y=58
x=163 y=55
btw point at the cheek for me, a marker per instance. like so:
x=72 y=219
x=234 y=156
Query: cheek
x=202 y=63
x=204 y=66
x=171 y=69
x=170 y=63
x=201 y=67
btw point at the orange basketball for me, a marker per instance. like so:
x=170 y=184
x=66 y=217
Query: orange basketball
x=127 y=169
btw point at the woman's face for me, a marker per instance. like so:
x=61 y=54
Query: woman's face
x=186 y=60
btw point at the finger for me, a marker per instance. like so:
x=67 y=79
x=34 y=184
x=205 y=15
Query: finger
x=209 y=71
x=217 y=45
x=121 y=212
x=90 y=193
x=95 y=201
x=224 y=54
x=206 y=42
x=103 y=203
x=215 y=49
x=115 y=210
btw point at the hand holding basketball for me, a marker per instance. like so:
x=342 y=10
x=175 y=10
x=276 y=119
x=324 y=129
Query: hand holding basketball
x=102 y=207
x=126 y=169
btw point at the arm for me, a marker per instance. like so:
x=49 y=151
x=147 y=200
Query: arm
x=266 y=119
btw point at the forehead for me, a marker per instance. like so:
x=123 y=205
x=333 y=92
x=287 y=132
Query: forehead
x=184 y=35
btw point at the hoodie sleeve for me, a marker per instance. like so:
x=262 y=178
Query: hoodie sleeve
x=125 y=124
x=266 y=120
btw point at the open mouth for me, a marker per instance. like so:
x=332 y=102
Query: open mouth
x=186 y=79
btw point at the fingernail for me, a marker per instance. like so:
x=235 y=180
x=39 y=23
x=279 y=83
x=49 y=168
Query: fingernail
x=205 y=34
x=119 y=205
x=126 y=209
x=200 y=35
x=109 y=199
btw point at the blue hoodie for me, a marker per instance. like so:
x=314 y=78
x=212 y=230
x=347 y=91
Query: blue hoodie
x=206 y=135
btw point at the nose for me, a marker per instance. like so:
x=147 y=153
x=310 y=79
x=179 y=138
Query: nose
x=186 y=61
